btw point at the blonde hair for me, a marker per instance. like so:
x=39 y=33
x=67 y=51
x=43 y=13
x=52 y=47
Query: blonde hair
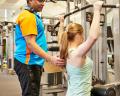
x=68 y=36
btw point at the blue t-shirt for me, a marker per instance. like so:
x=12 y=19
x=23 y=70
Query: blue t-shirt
x=29 y=23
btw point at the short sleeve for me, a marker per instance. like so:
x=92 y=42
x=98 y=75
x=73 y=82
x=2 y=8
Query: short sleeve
x=28 y=24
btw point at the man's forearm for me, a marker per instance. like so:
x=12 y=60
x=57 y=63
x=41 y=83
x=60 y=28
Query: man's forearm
x=38 y=50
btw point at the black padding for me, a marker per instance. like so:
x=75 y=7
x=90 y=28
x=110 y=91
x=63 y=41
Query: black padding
x=53 y=48
x=109 y=31
x=103 y=91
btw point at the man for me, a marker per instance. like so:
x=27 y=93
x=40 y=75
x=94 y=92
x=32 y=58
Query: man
x=31 y=48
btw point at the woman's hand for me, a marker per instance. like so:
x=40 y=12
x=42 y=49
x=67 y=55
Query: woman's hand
x=61 y=18
x=98 y=5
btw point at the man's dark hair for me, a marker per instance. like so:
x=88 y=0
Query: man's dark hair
x=27 y=1
x=39 y=0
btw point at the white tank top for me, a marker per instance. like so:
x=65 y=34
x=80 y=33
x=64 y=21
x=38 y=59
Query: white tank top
x=79 y=79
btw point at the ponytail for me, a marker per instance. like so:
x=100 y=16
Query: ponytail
x=64 y=46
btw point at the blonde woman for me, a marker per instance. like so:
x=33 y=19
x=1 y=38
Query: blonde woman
x=74 y=50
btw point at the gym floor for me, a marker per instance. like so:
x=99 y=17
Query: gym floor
x=9 y=86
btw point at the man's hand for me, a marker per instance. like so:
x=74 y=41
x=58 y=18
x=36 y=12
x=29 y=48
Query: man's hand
x=57 y=61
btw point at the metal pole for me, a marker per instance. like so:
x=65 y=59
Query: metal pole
x=116 y=36
x=103 y=51
x=83 y=17
x=68 y=11
x=0 y=44
x=11 y=45
x=5 y=14
x=2 y=47
x=7 y=44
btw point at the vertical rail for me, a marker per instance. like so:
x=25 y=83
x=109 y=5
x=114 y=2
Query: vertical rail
x=103 y=50
x=83 y=17
x=68 y=11
x=116 y=36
